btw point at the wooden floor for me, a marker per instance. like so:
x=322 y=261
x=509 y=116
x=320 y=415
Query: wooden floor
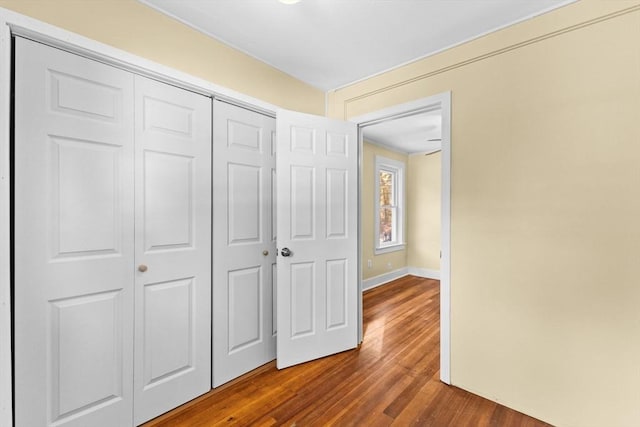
x=392 y=379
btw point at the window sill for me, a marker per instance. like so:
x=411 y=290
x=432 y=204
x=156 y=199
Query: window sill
x=390 y=248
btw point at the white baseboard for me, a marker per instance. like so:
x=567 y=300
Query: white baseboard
x=374 y=282
x=384 y=278
x=424 y=272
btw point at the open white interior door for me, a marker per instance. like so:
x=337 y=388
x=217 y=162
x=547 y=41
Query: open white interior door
x=317 y=290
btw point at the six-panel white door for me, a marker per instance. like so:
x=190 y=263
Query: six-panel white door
x=73 y=246
x=317 y=288
x=244 y=250
x=173 y=247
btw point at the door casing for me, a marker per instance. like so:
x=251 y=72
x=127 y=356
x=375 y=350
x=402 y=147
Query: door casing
x=439 y=101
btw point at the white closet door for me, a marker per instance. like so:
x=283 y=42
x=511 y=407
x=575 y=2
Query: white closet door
x=317 y=236
x=244 y=252
x=73 y=243
x=173 y=247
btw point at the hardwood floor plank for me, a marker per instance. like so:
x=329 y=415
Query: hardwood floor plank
x=347 y=401
x=413 y=414
x=477 y=411
x=395 y=408
x=391 y=379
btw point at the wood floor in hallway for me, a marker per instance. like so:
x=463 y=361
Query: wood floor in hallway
x=391 y=380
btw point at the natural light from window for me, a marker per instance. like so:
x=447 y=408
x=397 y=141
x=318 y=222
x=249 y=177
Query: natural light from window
x=389 y=196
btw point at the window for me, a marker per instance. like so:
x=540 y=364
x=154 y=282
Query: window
x=389 y=199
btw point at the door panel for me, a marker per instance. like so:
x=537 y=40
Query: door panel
x=85 y=171
x=337 y=293
x=245 y=327
x=173 y=241
x=99 y=314
x=168 y=330
x=244 y=184
x=244 y=241
x=317 y=221
x=303 y=304
x=73 y=247
x=336 y=203
x=169 y=222
x=303 y=202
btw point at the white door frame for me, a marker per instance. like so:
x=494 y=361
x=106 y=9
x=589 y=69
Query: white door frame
x=12 y=23
x=440 y=101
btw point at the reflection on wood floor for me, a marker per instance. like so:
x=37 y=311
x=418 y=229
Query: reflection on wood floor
x=392 y=379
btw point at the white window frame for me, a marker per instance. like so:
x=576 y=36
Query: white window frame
x=398 y=169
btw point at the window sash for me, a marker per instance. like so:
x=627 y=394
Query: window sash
x=389 y=197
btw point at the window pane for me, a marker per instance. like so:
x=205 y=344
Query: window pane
x=386 y=225
x=386 y=188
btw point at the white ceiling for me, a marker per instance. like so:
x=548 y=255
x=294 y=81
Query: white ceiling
x=409 y=134
x=331 y=43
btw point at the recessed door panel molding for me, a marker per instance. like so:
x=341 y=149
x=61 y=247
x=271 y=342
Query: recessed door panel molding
x=336 y=305
x=84 y=97
x=74 y=240
x=303 y=140
x=317 y=292
x=244 y=135
x=244 y=192
x=303 y=295
x=273 y=142
x=168 y=200
x=337 y=144
x=336 y=203
x=244 y=249
x=303 y=202
x=173 y=241
x=245 y=308
x=168 y=329
x=84 y=377
x=86 y=193
x=163 y=116
x=274 y=210
x=274 y=293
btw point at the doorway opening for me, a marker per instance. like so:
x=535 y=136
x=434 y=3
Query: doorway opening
x=414 y=126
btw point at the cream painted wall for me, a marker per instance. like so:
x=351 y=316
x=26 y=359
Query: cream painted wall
x=397 y=259
x=423 y=211
x=140 y=30
x=545 y=238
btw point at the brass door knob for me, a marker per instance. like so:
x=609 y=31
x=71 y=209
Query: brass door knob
x=142 y=268
x=265 y=252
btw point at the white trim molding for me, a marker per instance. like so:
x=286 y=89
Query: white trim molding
x=440 y=101
x=425 y=273
x=6 y=398
x=385 y=278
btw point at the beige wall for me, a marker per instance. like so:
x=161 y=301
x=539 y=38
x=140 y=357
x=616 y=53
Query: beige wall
x=423 y=211
x=545 y=229
x=140 y=30
x=397 y=259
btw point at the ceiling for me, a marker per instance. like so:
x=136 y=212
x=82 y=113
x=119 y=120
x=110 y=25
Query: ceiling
x=331 y=43
x=409 y=134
